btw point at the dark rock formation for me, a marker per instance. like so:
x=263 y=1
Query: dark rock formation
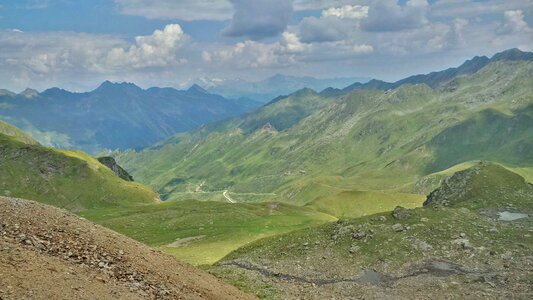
x=112 y=164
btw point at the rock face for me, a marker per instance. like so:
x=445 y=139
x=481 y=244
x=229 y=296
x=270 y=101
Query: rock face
x=112 y=164
x=481 y=186
x=453 y=187
x=48 y=253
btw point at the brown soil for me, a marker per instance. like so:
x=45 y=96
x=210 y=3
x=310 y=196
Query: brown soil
x=48 y=253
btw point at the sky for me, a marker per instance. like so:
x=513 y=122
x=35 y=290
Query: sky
x=77 y=44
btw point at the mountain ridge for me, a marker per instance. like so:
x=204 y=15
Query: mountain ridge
x=368 y=139
x=114 y=115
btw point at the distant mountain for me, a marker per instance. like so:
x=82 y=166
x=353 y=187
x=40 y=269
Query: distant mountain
x=306 y=145
x=438 y=79
x=270 y=88
x=115 y=115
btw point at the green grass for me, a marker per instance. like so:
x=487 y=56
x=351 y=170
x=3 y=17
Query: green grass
x=16 y=134
x=225 y=226
x=324 y=251
x=484 y=185
x=354 y=204
x=66 y=179
x=364 y=141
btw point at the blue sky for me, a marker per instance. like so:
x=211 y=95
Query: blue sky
x=77 y=44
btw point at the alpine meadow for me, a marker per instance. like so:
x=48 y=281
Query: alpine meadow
x=272 y=149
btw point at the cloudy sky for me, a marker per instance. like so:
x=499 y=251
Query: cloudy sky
x=76 y=44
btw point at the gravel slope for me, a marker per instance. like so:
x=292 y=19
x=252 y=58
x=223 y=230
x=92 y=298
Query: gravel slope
x=48 y=253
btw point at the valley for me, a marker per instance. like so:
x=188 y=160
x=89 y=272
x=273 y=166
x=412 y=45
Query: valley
x=418 y=188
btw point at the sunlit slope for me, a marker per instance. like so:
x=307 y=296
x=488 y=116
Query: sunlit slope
x=16 y=134
x=204 y=232
x=67 y=179
x=354 y=204
x=416 y=250
x=366 y=140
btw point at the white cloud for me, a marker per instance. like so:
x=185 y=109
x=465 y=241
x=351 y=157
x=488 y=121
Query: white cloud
x=475 y=8
x=156 y=50
x=324 y=29
x=259 y=18
x=252 y=54
x=320 y=4
x=334 y=24
x=347 y=12
x=217 y=10
x=388 y=15
x=513 y=22
x=30 y=58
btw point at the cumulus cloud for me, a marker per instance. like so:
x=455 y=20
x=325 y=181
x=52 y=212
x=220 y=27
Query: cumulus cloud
x=217 y=10
x=30 y=57
x=259 y=18
x=253 y=54
x=513 y=22
x=334 y=24
x=347 y=12
x=328 y=29
x=388 y=15
x=156 y=50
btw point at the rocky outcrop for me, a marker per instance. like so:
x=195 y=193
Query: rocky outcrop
x=452 y=188
x=112 y=164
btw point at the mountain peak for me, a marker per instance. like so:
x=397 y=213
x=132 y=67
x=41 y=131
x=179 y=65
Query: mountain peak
x=305 y=91
x=110 y=86
x=4 y=92
x=512 y=54
x=197 y=89
x=29 y=93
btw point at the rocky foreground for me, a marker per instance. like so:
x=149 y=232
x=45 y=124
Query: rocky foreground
x=48 y=253
x=472 y=240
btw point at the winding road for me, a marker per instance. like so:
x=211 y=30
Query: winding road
x=225 y=194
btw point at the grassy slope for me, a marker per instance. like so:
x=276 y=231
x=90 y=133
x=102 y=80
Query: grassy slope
x=223 y=227
x=16 y=134
x=323 y=251
x=484 y=186
x=368 y=140
x=354 y=204
x=67 y=179
x=78 y=182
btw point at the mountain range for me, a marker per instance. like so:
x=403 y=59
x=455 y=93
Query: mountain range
x=115 y=115
x=308 y=145
x=272 y=87
x=417 y=190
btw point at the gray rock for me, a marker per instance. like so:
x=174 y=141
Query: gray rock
x=398 y=227
x=354 y=249
x=401 y=213
x=358 y=234
x=464 y=243
x=422 y=245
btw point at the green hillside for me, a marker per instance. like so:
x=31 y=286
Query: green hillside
x=78 y=182
x=367 y=140
x=461 y=249
x=16 y=134
x=66 y=179
x=355 y=204
x=483 y=186
x=204 y=232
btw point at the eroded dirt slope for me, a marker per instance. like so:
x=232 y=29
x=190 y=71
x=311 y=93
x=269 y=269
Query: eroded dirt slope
x=48 y=253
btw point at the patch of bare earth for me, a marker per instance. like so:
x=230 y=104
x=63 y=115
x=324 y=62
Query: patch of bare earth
x=48 y=253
